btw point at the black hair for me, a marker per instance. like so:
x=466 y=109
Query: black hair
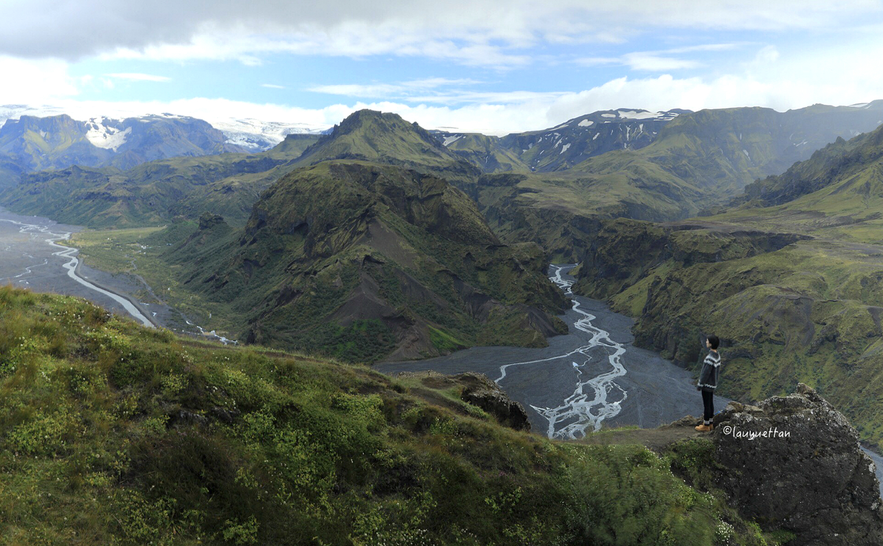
x=714 y=341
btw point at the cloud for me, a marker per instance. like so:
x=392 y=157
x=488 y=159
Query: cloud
x=36 y=82
x=138 y=77
x=430 y=89
x=651 y=62
x=473 y=32
x=272 y=86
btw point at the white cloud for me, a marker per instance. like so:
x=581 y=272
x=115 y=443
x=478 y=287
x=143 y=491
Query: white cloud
x=35 y=82
x=431 y=89
x=138 y=77
x=272 y=86
x=769 y=54
x=651 y=62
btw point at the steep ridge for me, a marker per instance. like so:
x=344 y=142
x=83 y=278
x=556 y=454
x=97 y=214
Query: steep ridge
x=578 y=139
x=360 y=261
x=855 y=160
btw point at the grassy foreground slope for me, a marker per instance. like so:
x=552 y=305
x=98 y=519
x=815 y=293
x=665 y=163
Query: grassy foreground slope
x=115 y=434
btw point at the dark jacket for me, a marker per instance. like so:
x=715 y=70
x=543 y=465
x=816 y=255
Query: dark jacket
x=710 y=371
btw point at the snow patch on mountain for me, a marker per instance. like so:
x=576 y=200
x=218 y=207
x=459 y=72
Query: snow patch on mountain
x=104 y=135
x=586 y=123
x=451 y=139
x=639 y=114
x=256 y=135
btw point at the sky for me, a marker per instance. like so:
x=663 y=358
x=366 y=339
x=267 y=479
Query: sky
x=488 y=66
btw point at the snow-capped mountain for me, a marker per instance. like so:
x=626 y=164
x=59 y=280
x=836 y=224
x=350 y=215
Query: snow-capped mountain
x=30 y=143
x=567 y=144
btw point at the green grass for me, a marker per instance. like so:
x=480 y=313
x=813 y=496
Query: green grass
x=115 y=434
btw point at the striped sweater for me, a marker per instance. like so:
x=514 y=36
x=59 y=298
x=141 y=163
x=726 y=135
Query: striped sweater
x=710 y=371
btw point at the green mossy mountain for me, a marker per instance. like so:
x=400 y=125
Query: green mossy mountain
x=674 y=167
x=362 y=261
x=485 y=152
x=111 y=433
x=795 y=290
x=386 y=138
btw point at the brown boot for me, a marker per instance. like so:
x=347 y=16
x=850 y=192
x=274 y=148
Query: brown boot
x=705 y=428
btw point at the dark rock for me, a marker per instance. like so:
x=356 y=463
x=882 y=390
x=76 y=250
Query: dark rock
x=794 y=463
x=186 y=418
x=225 y=415
x=209 y=220
x=484 y=393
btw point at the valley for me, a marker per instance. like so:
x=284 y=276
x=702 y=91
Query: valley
x=383 y=245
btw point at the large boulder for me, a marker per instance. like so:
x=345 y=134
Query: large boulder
x=794 y=463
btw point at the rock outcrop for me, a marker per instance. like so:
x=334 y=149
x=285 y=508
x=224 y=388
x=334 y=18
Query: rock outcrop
x=794 y=463
x=476 y=389
x=480 y=391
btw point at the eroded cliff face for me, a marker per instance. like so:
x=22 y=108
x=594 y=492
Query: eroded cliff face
x=794 y=463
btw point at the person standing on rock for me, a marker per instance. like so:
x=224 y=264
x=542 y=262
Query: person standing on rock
x=708 y=382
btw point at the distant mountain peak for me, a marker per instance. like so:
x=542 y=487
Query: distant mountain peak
x=384 y=137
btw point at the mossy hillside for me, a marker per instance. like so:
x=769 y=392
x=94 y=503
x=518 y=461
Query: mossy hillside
x=348 y=251
x=294 y=145
x=150 y=194
x=486 y=152
x=837 y=161
x=116 y=434
x=562 y=211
